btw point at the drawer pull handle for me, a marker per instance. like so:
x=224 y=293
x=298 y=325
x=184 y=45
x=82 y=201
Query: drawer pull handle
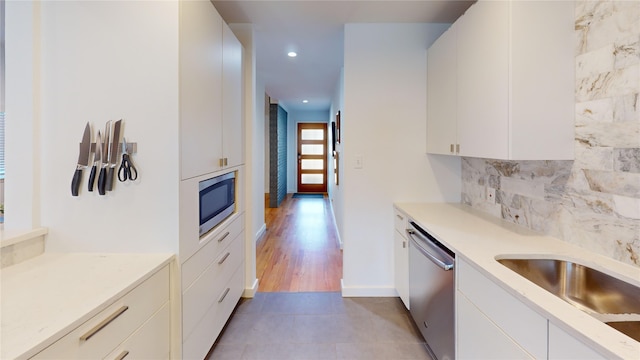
x=223 y=237
x=400 y=217
x=122 y=355
x=224 y=258
x=224 y=295
x=103 y=323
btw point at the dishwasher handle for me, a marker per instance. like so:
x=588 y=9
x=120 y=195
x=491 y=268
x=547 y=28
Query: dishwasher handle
x=429 y=253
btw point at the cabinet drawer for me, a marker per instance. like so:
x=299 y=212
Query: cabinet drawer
x=525 y=326
x=151 y=341
x=479 y=338
x=102 y=333
x=214 y=244
x=206 y=290
x=198 y=344
x=400 y=221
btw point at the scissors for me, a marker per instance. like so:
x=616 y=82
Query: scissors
x=126 y=170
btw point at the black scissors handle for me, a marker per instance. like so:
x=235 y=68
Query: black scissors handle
x=127 y=170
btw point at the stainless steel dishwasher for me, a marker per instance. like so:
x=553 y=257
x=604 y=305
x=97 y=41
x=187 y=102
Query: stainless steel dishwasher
x=431 y=291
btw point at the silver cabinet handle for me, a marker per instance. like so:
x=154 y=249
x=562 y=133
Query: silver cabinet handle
x=103 y=323
x=223 y=237
x=221 y=299
x=221 y=162
x=457 y=148
x=224 y=258
x=451 y=148
x=400 y=217
x=122 y=355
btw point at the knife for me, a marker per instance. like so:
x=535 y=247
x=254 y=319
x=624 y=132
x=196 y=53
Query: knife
x=102 y=178
x=97 y=158
x=97 y=161
x=83 y=159
x=113 y=153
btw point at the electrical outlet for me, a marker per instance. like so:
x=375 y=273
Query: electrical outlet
x=490 y=195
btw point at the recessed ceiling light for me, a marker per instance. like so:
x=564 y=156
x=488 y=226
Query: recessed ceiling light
x=305 y=101
x=292 y=54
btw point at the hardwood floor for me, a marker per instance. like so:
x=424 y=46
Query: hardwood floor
x=300 y=250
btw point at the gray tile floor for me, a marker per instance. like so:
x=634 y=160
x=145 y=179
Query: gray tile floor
x=321 y=325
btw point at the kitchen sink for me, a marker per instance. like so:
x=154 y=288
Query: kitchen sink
x=608 y=299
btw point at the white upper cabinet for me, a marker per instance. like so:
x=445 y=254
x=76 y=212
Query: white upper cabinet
x=211 y=124
x=513 y=84
x=442 y=88
x=232 y=107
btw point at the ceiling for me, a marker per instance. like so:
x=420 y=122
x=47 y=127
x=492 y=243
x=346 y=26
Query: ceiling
x=314 y=29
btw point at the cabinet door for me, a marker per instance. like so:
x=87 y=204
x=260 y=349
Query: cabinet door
x=483 y=80
x=479 y=338
x=526 y=327
x=565 y=346
x=401 y=267
x=200 y=90
x=232 y=106
x=441 y=93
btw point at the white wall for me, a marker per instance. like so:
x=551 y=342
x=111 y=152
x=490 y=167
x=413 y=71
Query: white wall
x=94 y=61
x=293 y=118
x=384 y=121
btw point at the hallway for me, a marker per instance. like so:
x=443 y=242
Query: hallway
x=300 y=250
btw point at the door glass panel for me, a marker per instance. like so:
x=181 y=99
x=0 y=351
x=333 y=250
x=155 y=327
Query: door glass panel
x=312 y=178
x=312 y=134
x=312 y=149
x=313 y=164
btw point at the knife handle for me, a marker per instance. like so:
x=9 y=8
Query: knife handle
x=109 y=184
x=75 y=183
x=102 y=181
x=92 y=177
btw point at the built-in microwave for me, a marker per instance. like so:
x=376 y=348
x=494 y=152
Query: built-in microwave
x=217 y=200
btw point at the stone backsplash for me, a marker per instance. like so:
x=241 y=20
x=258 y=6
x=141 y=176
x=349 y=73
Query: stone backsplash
x=594 y=200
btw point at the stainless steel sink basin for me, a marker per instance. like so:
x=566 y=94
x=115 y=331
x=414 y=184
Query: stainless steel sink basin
x=588 y=289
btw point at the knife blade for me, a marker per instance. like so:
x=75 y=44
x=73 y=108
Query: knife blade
x=97 y=159
x=113 y=153
x=102 y=178
x=83 y=159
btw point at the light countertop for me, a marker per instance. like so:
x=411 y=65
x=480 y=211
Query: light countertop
x=44 y=298
x=481 y=238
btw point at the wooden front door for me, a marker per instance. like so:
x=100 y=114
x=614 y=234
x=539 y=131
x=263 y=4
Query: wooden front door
x=312 y=157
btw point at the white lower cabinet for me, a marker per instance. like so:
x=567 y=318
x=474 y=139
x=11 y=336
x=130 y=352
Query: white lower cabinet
x=493 y=324
x=512 y=318
x=566 y=347
x=480 y=338
x=138 y=322
x=212 y=284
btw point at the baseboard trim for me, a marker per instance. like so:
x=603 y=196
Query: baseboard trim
x=360 y=291
x=250 y=292
x=261 y=232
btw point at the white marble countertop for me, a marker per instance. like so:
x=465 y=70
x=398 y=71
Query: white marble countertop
x=44 y=298
x=480 y=238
